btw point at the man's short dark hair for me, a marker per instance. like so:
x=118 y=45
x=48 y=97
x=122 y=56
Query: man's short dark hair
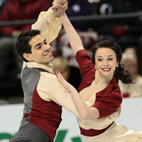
x=22 y=44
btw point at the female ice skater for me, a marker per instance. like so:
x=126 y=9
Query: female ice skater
x=98 y=95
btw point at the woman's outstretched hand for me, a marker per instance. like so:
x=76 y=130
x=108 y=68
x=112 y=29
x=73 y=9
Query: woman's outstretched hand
x=85 y=112
x=60 y=78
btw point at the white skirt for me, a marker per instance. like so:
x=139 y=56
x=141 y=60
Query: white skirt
x=116 y=133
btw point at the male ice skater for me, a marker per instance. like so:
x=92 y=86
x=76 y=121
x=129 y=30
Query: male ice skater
x=43 y=94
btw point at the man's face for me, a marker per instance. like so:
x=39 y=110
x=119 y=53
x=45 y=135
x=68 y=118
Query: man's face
x=40 y=50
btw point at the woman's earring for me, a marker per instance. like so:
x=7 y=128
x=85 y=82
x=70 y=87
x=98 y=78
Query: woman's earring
x=95 y=67
x=117 y=66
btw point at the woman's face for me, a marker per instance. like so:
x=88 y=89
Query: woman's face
x=105 y=61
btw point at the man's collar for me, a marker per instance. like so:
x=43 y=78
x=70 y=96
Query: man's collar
x=48 y=67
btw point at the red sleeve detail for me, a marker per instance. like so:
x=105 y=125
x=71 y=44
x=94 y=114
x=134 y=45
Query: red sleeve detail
x=84 y=62
x=108 y=104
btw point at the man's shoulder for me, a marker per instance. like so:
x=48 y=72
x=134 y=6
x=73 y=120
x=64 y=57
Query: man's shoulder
x=47 y=74
x=47 y=77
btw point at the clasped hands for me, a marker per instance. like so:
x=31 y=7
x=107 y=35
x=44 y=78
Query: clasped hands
x=59 y=7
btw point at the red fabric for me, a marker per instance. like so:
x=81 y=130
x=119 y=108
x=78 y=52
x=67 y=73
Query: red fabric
x=16 y=10
x=45 y=114
x=107 y=100
x=92 y=132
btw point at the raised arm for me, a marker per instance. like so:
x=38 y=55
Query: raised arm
x=73 y=36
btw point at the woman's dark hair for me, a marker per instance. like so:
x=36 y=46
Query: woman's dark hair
x=120 y=72
x=22 y=44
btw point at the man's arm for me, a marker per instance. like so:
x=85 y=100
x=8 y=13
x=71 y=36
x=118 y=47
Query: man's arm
x=50 y=89
x=48 y=24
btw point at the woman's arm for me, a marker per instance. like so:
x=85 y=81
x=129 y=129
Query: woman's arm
x=73 y=36
x=84 y=111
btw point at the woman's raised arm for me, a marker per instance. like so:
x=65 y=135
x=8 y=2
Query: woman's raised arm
x=73 y=36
